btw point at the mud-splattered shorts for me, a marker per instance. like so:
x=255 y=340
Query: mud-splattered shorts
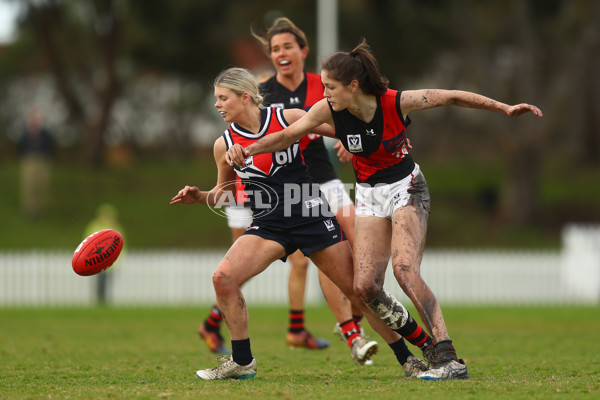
x=382 y=200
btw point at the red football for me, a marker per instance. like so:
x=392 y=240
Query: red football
x=97 y=252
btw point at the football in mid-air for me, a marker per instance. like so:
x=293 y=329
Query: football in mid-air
x=97 y=252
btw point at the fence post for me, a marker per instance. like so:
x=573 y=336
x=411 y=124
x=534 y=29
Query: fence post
x=580 y=264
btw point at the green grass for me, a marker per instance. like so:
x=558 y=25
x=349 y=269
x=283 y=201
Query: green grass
x=142 y=353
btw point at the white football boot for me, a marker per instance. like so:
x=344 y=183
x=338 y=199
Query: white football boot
x=362 y=351
x=228 y=369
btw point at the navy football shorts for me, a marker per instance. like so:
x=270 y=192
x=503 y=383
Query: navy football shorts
x=312 y=236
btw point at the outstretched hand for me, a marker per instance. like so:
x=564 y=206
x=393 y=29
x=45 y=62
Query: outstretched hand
x=187 y=195
x=343 y=154
x=523 y=108
x=237 y=155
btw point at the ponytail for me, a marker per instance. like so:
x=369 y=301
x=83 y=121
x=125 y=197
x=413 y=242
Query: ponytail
x=359 y=64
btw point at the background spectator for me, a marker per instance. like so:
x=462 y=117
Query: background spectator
x=36 y=151
x=106 y=218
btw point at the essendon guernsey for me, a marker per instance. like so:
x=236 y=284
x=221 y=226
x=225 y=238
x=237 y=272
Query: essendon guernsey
x=380 y=149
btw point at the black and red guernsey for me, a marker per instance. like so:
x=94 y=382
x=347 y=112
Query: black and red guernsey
x=379 y=148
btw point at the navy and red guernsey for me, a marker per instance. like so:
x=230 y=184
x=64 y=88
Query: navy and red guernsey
x=379 y=147
x=305 y=96
x=277 y=184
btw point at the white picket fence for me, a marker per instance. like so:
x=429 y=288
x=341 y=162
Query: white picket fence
x=175 y=277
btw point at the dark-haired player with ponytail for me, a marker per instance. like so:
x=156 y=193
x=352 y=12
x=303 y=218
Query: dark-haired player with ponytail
x=392 y=197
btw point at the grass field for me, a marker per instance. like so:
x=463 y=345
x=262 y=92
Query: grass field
x=141 y=353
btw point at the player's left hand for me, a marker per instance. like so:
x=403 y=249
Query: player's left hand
x=523 y=108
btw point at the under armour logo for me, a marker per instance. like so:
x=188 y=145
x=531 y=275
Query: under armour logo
x=294 y=100
x=370 y=132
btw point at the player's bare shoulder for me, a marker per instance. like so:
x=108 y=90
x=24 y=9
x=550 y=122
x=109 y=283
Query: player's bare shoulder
x=292 y=115
x=321 y=113
x=219 y=146
x=219 y=150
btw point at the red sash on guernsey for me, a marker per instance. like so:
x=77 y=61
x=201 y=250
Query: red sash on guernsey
x=314 y=93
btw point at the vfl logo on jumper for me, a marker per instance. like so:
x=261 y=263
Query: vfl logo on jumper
x=277 y=105
x=354 y=143
x=264 y=199
x=370 y=132
x=329 y=225
x=294 y=100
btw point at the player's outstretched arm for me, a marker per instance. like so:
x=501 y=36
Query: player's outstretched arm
x=415 y=100
x=317 y=120
x=225 y=182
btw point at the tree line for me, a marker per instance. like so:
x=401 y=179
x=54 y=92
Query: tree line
x=120 y=70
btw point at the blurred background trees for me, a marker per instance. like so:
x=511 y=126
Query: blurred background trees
x=126 y=80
